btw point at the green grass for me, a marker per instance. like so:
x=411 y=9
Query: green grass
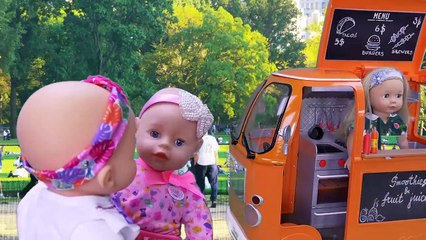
x=13 y=142
x=10 y=186
x=16 y=184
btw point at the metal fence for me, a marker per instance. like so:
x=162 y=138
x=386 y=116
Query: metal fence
x=9 y=203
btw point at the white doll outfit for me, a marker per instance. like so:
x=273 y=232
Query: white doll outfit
x=43 y=214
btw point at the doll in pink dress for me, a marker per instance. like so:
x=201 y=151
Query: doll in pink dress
x=164 y=195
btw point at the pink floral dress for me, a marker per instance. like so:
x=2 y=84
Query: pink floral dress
x=160 y=202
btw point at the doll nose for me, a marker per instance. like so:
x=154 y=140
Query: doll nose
x=164 y=142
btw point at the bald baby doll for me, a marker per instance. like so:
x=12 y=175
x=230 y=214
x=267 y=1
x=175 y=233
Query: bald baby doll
x=77 y=138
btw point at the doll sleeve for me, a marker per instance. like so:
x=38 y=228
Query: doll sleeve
x=100 y=230
x=198 y=222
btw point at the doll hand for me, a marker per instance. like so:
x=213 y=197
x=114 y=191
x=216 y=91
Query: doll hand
x=348 y=164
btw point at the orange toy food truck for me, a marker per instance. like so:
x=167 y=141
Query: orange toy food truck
x=288 y=179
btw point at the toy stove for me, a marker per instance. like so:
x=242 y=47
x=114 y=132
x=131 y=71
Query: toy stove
x=322 y=184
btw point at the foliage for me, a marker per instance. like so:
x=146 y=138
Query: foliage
x=54 y=41
x=9 y=36
x=312 y=44
x=108 y=37
x=19 y=47
x=276 y=20
x=213 y=55
x=144 y=46
x=4 y=96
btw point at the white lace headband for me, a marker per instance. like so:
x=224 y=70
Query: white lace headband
x=381 y=76
x=191 y=107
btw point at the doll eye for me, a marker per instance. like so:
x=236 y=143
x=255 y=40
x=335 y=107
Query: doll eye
x=386 y=95
x=399 y=96
x=179 y=142
x=155 y=134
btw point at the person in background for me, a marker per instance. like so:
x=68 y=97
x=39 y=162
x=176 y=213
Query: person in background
x=4 y=134
x=18 y=161
x=28 y=187
x=9 y=135
x=213 y=130
x=205 y=165
x=1 y=157
x=1 y=190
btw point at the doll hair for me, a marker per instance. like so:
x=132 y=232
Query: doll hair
x=191 y=107
x=371 y=80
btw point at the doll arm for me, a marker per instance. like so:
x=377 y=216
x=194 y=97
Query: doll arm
x=349 y=144
x=198 y=222
x=100 y=230
x=403 y=141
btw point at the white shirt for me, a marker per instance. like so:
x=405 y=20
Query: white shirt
x=43 y=214
x=207 y=152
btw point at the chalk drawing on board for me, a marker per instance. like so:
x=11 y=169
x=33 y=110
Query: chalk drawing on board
x=344 y=25
x=373 y=43
x=403 y=40
x=372 y=214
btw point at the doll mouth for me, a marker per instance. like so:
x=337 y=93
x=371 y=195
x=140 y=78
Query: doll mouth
x=161 y=155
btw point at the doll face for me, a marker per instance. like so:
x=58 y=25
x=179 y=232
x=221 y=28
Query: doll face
x=164 y=139
x=387 y=98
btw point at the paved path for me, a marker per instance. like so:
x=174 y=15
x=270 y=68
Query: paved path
x=8 y=222
x=220 y=228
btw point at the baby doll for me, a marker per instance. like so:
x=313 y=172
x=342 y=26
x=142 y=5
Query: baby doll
x=161 y=198
x=78 y=140
x=385 y=91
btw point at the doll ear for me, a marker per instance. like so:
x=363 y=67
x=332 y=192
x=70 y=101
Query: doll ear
x=105 y=178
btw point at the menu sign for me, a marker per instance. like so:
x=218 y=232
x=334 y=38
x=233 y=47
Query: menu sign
x=393 y=196
x=373 y=35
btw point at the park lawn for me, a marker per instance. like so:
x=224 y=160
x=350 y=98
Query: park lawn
x=11 y=142
x=7 y=167
x=15 y=151
x=10 y=153
x=223 y=155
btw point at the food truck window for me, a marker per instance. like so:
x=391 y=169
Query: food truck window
x=236 y=128
x=265 y=117
x=422 y=113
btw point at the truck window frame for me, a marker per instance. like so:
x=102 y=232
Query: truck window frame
x=266 y=114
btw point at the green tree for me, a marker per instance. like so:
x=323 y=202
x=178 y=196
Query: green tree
x=18 y=47
x=45 y=42
x=107 y=37
x=4 y=97
x=213 y=55
x=312 y=44
x=7 y=45
x=276 y=20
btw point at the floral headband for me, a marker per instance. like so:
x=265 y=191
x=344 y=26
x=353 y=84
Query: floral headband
x=191 y=107
x=87 y=163
x=379 y=77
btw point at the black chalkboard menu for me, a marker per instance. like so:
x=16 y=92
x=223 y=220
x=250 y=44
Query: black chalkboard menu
x=373 y=35
x=393 y=196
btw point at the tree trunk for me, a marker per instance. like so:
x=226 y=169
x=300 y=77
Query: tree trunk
x=1 y=110
x=13 y=108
